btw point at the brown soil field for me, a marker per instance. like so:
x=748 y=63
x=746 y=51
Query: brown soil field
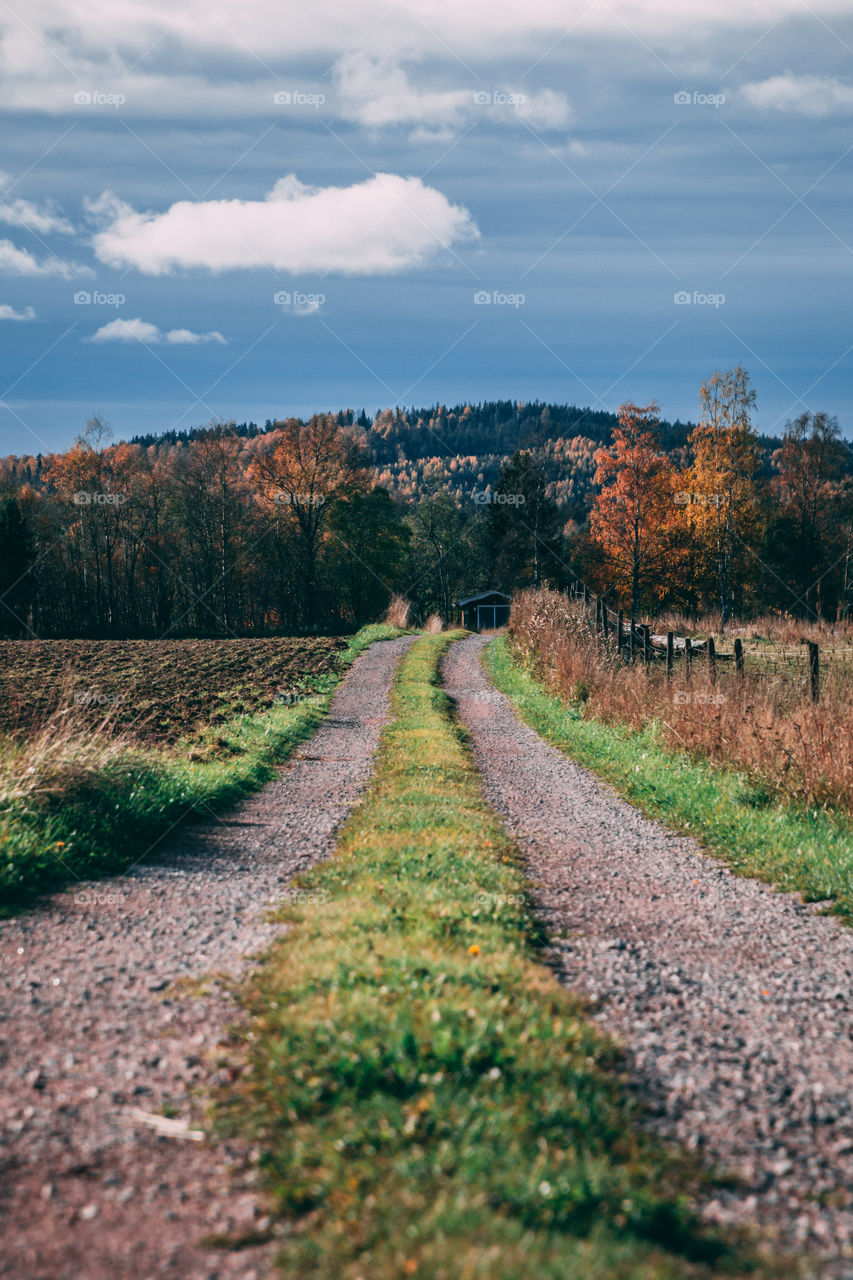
x=156 y=691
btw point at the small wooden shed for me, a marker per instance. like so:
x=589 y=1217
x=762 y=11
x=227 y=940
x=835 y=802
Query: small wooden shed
x=485 y=611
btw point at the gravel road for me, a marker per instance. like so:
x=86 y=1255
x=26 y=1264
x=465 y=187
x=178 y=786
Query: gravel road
x=109 y=1016
x=733 y=1002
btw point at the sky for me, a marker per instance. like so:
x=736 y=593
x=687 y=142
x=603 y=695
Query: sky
x=254 y=211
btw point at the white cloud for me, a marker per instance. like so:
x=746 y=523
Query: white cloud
x=23 y=213
x=382 y=225
x=143 y=331
x=20 y=262
x=805 y=95
x=9 y=313
x=546 y=110
x=375 y=91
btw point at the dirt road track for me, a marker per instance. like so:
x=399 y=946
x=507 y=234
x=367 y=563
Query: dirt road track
x=95 y=1027
x=735 y=1002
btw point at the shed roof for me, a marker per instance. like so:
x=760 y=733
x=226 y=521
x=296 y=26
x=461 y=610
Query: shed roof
x=483 y=595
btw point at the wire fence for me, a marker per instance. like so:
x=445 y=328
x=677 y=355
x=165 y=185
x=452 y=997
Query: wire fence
x=634 y=641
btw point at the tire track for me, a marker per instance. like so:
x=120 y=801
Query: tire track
x=734 y=1002
x=103 y=1025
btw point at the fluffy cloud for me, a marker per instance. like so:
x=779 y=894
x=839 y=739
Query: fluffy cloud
x=382 y=225
x=23 y=213
x=375 y=91
x=9 y=313
x=142 y=331
x=806 y=95
x=20 y=262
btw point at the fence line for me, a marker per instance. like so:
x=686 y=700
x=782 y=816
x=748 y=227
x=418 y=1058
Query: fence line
x=635 y=642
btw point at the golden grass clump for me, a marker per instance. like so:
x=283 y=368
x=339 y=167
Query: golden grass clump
x=58 y=759
x=398 y=612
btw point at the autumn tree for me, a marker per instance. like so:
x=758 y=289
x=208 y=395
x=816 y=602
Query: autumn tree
x=723 y=506
x=809 y=535
x=305 y=470
x=632 y=514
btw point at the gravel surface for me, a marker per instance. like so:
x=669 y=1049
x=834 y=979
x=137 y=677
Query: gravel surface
x=113 y=1000
x=733 y=1001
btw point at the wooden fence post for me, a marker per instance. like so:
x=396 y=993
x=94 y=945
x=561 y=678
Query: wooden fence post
x=739 y=664
x=604 y=622
x=620 y=618
x=712 y=660
x=814 y=669
x=647 y=644
x=688 y=657
x=632 y=642
x=670 y=653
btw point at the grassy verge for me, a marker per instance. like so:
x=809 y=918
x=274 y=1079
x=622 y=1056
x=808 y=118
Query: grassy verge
x=103 y=806
x=428 y=1100
x=809 y=851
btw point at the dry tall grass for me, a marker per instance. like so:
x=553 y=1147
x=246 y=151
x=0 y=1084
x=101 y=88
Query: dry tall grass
x=398 y=612
x=59 y=759
x=434 y=625
x=763 y=725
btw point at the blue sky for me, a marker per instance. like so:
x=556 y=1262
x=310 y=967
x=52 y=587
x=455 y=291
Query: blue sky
x=274 y=210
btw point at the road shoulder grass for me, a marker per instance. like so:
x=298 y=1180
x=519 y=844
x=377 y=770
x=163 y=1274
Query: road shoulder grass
x=428 y=1100
x=104 y=807
x=797 y=850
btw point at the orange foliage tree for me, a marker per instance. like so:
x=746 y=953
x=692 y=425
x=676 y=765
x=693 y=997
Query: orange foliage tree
x=632 y=515
x=308 y=470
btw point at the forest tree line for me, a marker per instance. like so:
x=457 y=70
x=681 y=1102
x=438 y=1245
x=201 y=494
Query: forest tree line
x=295 y=528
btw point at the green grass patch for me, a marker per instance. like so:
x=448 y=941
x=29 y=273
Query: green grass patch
x=428 y=1100
x=100 y=808
x=798 y=850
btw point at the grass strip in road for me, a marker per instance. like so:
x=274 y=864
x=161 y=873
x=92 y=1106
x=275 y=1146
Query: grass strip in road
x=798 y=850
x=427 y=1098
x=104 y=805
